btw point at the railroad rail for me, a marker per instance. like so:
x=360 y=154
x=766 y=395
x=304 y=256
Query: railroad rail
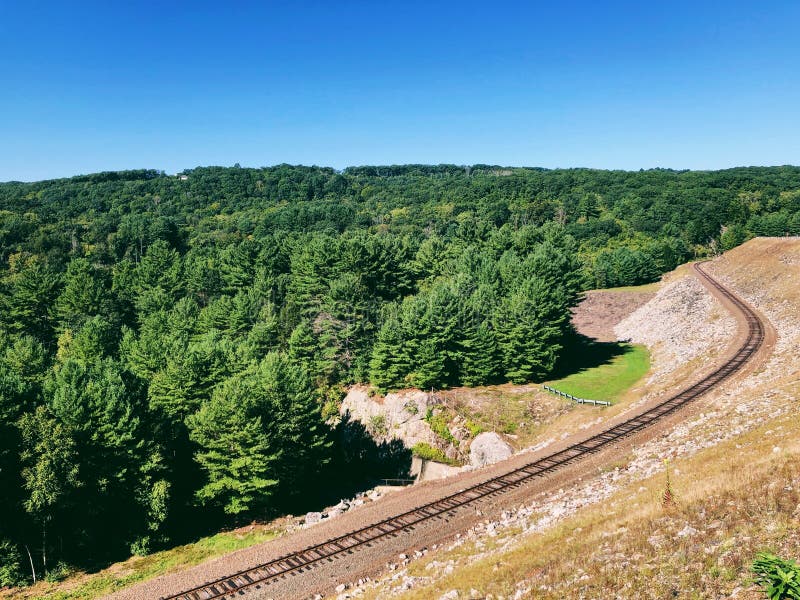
x=262 y=575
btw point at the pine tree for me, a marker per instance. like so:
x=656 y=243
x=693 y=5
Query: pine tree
x=430 y=320
x=188 y=377
x=429 y=365
x=304 y=350
x=261 y=428
x=26 y=303
x=236 y=451
x=94 y=340
x=13 y=402
x=86 y=294
x=264 y=335
x=390 y=361
x=479 y=355
x=103 y=409
x=293 y=408
x=528 y=334
x=344 y=328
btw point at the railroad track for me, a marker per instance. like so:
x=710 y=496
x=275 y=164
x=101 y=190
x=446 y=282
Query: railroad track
x=292 y=564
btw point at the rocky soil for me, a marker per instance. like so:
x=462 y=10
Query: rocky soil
x=683 y=325
x=602 y=310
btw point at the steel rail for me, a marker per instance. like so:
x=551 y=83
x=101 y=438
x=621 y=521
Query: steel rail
x=294 y=563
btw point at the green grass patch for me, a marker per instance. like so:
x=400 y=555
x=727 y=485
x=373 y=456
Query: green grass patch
x=86 y=586
x=425 y=451
x=610 y=380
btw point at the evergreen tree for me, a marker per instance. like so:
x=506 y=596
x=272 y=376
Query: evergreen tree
x=304 y=350
x=345 y=331
x=49 y=461
x=85 y=294
x=391 y=361
x=529 y=339
x=188 y=377
x=261 y=428
x=479 y=355
x=236 y=451
x=103 y=410
x=26 y=304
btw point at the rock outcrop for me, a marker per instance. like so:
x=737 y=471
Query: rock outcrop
x=398 y=415
x=489 y=448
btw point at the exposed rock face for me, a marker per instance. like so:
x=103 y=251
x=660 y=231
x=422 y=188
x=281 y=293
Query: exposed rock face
x=489 y=448
x=399 y=415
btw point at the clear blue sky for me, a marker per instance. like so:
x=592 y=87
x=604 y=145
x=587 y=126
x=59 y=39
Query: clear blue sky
x=91 y=86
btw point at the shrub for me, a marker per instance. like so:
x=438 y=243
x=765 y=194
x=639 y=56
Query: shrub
x=377 y=425
x=438 y=424
x=61 y=572
x=141 y=546
x=427 y=452
x=411 y=407
x=779 y=578
x=474 y=429
x=11 y=573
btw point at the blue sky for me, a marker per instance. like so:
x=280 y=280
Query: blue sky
x=91 y=86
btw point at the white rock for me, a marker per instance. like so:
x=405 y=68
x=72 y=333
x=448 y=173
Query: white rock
x=489 y=448
x=687 y=531
x=313 y=518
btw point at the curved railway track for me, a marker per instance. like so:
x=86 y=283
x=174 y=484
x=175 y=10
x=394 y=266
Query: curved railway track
x=292 y=564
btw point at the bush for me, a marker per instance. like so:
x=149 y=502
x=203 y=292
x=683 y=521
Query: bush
x=474 y=429
x=61 y=572
x=11 y=572
x=141 y=546
x=780 y=578
x=377 y=425
x=438 y=424
x=427 y=452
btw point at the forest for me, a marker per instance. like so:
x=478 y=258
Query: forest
x=174 y=348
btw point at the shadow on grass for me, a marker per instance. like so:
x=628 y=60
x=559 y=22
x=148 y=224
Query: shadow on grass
x=581 y=353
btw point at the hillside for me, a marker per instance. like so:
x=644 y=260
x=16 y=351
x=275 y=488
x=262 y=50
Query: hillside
x=733 y=469
x=174 y=350
x=684 y=327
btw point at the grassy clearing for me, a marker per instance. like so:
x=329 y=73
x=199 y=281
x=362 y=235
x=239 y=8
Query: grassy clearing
x=86 y=586
x=611 y=380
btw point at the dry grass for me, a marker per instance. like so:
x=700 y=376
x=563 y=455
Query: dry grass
x=86 y=586
x=732 y=500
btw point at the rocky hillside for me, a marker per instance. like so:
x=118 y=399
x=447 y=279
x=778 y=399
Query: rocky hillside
x=733 y=472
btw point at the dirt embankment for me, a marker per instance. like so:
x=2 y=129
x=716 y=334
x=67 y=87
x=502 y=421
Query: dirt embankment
x=746 y=422
x=601 y=310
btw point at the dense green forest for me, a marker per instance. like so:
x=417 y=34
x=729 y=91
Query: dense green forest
x=172 y=347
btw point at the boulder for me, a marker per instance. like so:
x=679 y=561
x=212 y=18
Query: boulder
x=488 y=448
x=313 y=518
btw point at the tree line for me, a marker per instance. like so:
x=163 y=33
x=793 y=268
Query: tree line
x=172 y=348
